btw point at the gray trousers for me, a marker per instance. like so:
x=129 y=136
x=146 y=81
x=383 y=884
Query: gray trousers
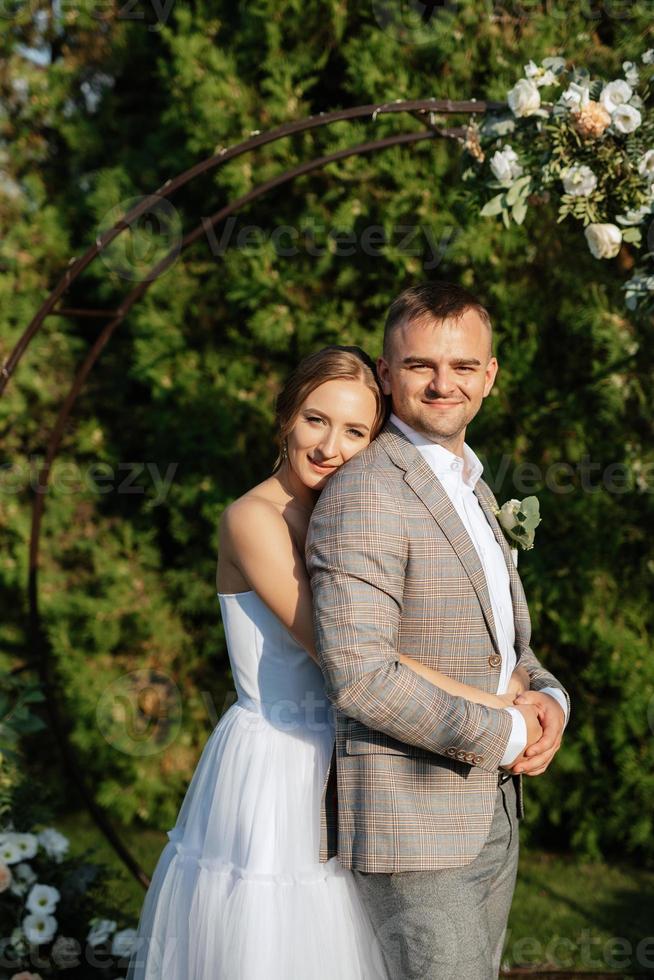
x=449 y=924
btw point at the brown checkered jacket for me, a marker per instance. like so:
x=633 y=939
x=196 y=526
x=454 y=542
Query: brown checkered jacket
x=393 y=570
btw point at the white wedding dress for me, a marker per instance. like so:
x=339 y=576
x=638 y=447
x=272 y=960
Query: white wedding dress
x=238 y=892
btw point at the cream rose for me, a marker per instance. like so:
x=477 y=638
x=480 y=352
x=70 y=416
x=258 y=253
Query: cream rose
x=524 y=98
x=505 y=166
x=615 y=94
x=604 y=240
x=579 y=181
x=626 y=119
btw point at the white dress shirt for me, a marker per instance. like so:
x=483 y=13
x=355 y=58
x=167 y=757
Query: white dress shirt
x=459 y=477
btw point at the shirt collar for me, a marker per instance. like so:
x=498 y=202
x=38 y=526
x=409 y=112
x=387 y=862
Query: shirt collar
x=439 y=458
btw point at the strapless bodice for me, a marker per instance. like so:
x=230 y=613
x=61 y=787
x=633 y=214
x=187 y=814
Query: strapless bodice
x=273 y=674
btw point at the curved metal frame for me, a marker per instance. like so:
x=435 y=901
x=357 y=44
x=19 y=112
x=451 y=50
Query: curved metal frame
x=422 y=109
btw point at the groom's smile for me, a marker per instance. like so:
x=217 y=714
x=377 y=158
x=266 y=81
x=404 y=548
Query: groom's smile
x=438 y=373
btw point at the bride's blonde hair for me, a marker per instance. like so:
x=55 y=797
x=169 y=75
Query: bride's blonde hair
x=332 y=363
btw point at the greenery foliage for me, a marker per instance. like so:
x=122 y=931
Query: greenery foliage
x=176 y=418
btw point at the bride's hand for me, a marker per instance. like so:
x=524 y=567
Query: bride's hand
x=494 y=700
x=498 y=700
x=518 y=683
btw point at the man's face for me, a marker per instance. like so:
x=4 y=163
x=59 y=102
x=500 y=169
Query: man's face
x=438 y=374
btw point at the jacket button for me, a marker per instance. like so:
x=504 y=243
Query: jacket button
x=478 y=759
x=494 y=660
x=470 y=757
x=451 y=751
x=461 y=755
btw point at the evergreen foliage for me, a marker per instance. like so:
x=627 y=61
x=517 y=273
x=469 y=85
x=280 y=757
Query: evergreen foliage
x=185 y=390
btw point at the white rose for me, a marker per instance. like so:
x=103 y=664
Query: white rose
x=524 y=98
x=604 y=240
x=39 y=928
x=507 y=515
x=27 y=844
x=646 y=165
x=9 y=851
x=575 y=97
x=42 y=898
x=615 y=94
x=579 y=181
x=648 y=57
x=505 y=166
x=626 y=119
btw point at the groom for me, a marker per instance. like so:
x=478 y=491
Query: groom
x=406 y=557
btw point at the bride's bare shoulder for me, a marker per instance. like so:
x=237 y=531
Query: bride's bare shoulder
x=255 y=508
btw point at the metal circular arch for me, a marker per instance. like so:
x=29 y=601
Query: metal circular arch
x=422 y=109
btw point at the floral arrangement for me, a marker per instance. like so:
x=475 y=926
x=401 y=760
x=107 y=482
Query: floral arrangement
x=591 y=148
x=43 y=899
x=519 y=520
x=52 y=905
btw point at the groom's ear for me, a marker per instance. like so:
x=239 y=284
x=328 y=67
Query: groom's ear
x=491 y=372
x=383 y=373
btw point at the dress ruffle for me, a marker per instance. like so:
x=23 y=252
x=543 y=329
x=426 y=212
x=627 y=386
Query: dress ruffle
x=238 y=892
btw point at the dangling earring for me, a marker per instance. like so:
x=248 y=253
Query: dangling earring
x=284 y=450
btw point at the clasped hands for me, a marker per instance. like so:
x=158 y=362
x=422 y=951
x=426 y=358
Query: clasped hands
x=545 y=721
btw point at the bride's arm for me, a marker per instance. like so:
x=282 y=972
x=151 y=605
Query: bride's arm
x=256 y=536
x=260 y=542
x=519 y=678
x=469 y=691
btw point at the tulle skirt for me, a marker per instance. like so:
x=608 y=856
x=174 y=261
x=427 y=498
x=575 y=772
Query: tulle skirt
x=238 y=892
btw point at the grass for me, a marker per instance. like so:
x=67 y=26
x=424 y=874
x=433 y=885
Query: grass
x=566 y=914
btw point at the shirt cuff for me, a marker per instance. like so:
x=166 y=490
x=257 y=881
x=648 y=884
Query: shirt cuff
x=517 y=739
x=558 y=696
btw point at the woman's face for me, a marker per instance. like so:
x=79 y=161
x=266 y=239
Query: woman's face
x=333 y=424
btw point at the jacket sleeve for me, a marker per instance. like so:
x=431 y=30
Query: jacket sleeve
x=539 y=676
x=357 y=551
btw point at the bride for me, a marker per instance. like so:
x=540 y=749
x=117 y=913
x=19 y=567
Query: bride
x=238 y=892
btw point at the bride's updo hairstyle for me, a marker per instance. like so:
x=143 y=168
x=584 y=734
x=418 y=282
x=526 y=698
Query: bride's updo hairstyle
x=329 y=364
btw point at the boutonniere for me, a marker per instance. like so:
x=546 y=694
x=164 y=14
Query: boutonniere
x=519 y=520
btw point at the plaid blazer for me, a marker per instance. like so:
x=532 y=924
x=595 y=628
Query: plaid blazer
x=413 y=778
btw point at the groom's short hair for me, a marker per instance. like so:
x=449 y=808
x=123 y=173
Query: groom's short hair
x=432 y=302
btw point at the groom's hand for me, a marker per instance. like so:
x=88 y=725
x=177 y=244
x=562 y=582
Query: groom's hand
x=537 y=757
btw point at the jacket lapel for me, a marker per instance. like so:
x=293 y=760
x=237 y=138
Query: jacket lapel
x=518 y=597
x=426 y=485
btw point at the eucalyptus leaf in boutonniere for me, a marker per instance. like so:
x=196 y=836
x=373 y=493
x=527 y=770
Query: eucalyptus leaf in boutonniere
x=519 y=520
